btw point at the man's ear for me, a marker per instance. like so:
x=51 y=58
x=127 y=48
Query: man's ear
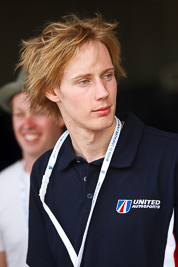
x=51 y=95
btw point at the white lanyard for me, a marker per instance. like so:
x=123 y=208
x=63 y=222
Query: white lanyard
x=76 y=259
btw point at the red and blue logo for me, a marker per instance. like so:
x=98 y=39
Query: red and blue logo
x=123 y=206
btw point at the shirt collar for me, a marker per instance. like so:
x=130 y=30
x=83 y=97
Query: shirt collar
x=66 y=154
x=125 y=151
x=128 y=142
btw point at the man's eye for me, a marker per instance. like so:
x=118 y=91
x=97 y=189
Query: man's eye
x=108 y=76
x=18 y=114
x=83 y=82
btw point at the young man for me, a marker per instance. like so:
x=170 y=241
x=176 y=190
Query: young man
x=35 y=134
x=107 y=195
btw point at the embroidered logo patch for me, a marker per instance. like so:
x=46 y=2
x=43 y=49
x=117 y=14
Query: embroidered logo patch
x=123 y=206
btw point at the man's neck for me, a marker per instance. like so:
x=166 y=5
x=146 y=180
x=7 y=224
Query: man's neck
x=91 y=145
x=29 y=161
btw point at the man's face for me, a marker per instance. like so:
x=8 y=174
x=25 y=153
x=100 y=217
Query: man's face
x=87 y=93
x=34 y=133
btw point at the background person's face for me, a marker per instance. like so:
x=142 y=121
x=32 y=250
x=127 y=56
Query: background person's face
x=34 y=133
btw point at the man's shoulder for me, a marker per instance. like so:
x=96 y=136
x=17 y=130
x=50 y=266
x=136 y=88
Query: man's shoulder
x=162 y=139
x=62 y=154
x=42 y=160
x=137 y=135
x=136 y=125
x=160 y=133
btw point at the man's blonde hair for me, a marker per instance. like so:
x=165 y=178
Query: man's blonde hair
x=45 y=57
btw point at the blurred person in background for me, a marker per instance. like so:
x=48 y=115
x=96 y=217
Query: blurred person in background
x=35 y=133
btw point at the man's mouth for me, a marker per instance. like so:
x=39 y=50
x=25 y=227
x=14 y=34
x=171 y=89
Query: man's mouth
x=31 y=137
x=103 y=110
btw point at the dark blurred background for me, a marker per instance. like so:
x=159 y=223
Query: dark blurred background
x=148 y=32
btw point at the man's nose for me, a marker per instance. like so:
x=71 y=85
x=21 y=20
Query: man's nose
x=29 y=121
x=101 y=91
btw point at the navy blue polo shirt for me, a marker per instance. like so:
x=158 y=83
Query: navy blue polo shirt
x=135 y=206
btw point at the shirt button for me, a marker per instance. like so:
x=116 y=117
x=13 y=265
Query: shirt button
x=78 y=161
x=89 y=195
x=85 y=178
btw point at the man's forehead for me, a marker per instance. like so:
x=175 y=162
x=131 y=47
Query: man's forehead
x=89 y=55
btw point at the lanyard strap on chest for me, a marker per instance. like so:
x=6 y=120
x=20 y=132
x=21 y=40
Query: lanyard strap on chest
x=76 y=259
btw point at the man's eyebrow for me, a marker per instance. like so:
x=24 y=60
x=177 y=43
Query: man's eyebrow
x=90 y=74
x=109 y=69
